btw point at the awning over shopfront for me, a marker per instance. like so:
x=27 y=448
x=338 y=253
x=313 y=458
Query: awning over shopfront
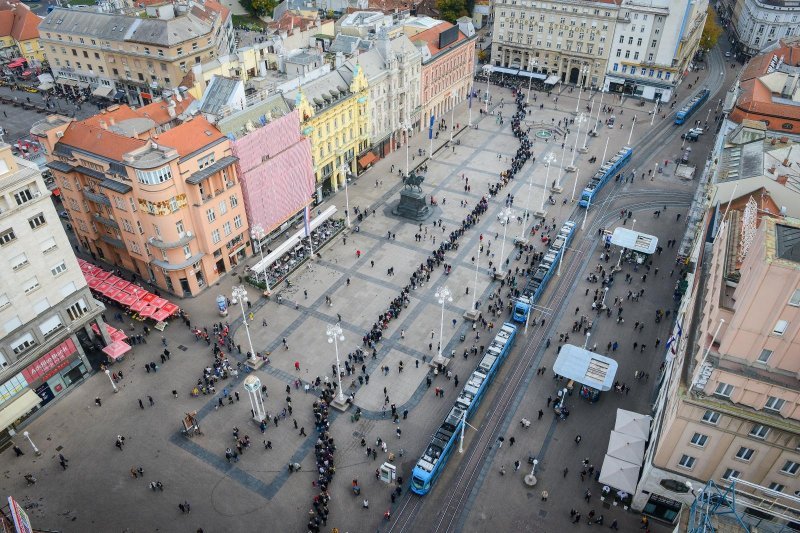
x=634 y=240
x=116 y=349
x=292 y=241
x=614 y=79
x=18 y=62
x=367 y=159
x=24 y=403
x=626 y=447
x=119 y=95
x=103 y=91
x=504 y=70
x=534 y=75
x=552 y=80
x=67 y=81
x=586 y=367
x=634 y=424
x=46 y=86
x=619 y=474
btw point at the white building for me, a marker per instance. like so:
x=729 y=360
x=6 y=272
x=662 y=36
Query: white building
x=757 y=23
x=654 y=42
x=393 y=68
x=45 y=305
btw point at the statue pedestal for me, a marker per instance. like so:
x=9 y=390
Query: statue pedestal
x=413 y=205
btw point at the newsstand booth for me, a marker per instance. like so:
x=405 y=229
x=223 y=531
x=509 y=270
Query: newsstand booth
x=636 y=246
x=594 y=373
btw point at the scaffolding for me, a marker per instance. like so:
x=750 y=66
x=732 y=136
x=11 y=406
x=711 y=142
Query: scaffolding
x=743 y=506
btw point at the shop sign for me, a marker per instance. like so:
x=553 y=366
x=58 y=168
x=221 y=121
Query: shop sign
x=50 y=363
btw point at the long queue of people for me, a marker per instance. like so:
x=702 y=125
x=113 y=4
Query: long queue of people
x=324 y=449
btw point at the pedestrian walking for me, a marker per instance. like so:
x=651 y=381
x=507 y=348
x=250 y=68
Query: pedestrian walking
x=152 y=402
x=98 y=402
x=18 y=450
x=578 y=439
x=141 y=404
x=541 y=414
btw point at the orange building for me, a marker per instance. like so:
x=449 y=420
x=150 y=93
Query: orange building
x=149 y=193
x=768 y=89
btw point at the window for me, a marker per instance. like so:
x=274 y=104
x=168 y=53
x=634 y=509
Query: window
x=154 y=177
x=234 y=201
x=22 y=343
x=724 y=390
x=7 y=236
x=223 y=207
x=12 y=324
x=686 y=461
x=180 y=228
x=780 y=327
x=711 y=417
x=729 y=473
x=58 y=269
x=215 y=238
x=777 y=487
x=226 y=228
x=794 y=301
x=698 y=439
x=187 y=251
x=4 y=301
x=210 y=215
x=49 y=326
x=759 y=431
x=19 y=261
x=23 y=196
x=37 y=221
x=237 y=221
x=774 y=404
x=790 y=468
x=764 y=356
x=203 y=162
x=41 y=306
x=31 y=285
x=745 y=454
x=77 y=310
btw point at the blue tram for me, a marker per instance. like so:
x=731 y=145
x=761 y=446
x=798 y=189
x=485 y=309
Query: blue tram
x=609 y=169
x=430 y=466
x=692 y=106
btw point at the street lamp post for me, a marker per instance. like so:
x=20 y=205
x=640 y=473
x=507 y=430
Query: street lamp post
x=630 y=135
x=527 y=208
x=344 y=170
x=603 y=161
x=586 y=341
x=488 y=69
x=548 y=160
x=575 y=184
x=477 y=262
x=583 y=72
x=504 y=217
x=257 y=234
x=35 y=449
x=603 y=301
x=599 y=107
x=334 y=332
x=407 y=127
x=580 y=119
x=111 y=379
x=239 y=293
x=586 y=213
x=530 y=479
x=561 y=170
x=534 y=64
x=444 y=295
x=585 y=147
x=454 y=98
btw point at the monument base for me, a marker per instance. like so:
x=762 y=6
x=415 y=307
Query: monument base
x=540 y=214
x=558 y=189
x=500 y=276
x=439 y=360
x=413 y=205
x=530 y=480
x=582 y=150
x=472 y=315
x=255 y=363
x=521 y=241
x=571 y=168
x=340 y=405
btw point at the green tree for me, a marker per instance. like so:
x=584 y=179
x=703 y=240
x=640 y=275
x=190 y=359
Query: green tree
x=711 y=31
x=263 y=7
x=450 y=10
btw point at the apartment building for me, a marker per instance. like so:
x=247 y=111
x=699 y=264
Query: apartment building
x=19 y=34
x=557 y=37
x=758 y=23
x=166 y=205
x=134 y=54
x=653 y=45
x=729 y=406
x=46 y=308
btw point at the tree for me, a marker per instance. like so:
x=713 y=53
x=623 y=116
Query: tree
x=450 y=10
x=711 y=31
x=263 y=7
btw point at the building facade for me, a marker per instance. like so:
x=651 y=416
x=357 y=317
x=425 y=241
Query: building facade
x=758 y=23
x=393 y=68
x=46 y=308
x=135 y=55
x=558 y=37
x=19 y=33
x=166 y=205
x=334 y=116
x=653 y=45
x=448 y=67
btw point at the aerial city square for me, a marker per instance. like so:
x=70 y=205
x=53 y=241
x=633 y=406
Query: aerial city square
x=355 y=266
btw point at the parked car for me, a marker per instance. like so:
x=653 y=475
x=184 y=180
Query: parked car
x=63 y=214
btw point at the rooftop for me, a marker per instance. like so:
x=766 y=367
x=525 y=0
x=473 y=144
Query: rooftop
x=429 y=39
x=191 y=136
x=18 y=21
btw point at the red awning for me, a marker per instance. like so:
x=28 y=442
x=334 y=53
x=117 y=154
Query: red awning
x=367 y=159
x=20 y=61
x=116 y=349
x=94 y=282
x=118 y=335
x=148 y=311
x=159 y=302
x=170 y=308
x=112 y=279
x=160 y=315
x=102 y=274
x=128 y=299
x=114 y=294
x=121 y=284
x=148 y=297
x=138 y=306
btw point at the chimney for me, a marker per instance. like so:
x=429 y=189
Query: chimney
x=171 y=109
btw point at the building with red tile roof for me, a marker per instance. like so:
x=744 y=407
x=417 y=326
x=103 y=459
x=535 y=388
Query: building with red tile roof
x=19 y=32
x=149 y=194
x=769 y=88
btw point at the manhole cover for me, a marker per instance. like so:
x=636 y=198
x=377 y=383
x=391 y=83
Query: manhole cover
x=182 y=348
x=543 y=134
x=59 y=448
x=542 y=513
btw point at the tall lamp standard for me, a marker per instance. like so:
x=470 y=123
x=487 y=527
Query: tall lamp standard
x=407 y=128
x=344 y=168
x=534 y=65
x=488 y=70
x=111 y=379
x=334 y=332
x=453 y=98
x=599 y=107
x=580 y=119
x=581 y=80
x=239 y=293
x=585 y=148
x=548 y=160
x=504 y=217
x=28 y=436
x=444 y=295
x=257 y=234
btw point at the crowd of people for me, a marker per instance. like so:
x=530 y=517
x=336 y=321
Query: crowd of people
x=324 y=449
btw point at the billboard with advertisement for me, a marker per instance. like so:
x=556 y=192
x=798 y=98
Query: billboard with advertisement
x=51 y=362
x=21 y=521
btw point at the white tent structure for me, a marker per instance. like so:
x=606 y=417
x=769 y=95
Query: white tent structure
x=633 y=424
x=626 y=447
x=619 y=474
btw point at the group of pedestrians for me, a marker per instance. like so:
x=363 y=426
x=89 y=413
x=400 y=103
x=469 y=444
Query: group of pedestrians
x=324 y=449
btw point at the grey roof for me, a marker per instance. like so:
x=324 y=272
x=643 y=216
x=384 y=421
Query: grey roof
x=117 y=243
x=319 y=90
x=210 y=170
x=179 y=266
x=59 y=165
x=218 y=94
x=347 y=44
x=787 y=242
x=97 y=198
x=115 y=27
x=274 y=106
x=116 y=186
x=90 y=172
x=303 y=58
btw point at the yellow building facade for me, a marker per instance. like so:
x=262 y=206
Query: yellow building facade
x=334 y=114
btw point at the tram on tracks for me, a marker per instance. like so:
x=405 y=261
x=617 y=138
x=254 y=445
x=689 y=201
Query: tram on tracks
x=604 y=174
x=691 y=106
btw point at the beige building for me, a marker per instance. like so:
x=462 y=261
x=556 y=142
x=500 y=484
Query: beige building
x=557 y=37
x=729 y=407
x=133 y=55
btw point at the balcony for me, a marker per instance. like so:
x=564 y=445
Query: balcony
x=116 y=243
x=204 y=174
x=107 y=222
x=164 y=245
x=95 y=197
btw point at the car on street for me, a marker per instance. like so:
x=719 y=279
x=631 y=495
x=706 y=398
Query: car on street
x=693 y=134
x=727 y=54
x=63 y=214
